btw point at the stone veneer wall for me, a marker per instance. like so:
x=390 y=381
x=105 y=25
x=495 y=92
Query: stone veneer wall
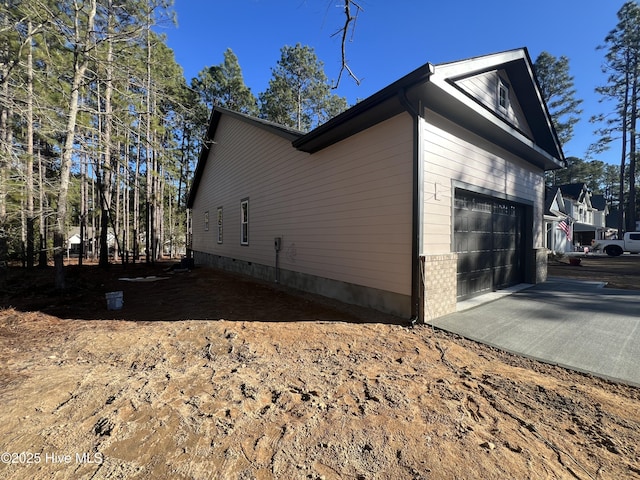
x=541 y=255
x=439 y=285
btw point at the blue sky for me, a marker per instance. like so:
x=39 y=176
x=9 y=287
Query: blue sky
x=393 y=38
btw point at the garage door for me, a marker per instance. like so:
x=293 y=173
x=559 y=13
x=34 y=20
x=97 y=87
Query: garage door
x=488 y=239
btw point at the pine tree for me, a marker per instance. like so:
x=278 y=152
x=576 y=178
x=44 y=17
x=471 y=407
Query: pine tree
x=94 y=115
x=622 y=56
x=81 y=20
x=558 y=92
x=595 y=173
x=224 y=85
x=299 y=94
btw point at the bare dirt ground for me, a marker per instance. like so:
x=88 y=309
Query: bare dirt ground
x=210 y=375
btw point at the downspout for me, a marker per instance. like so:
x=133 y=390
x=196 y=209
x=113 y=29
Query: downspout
x=418 y=206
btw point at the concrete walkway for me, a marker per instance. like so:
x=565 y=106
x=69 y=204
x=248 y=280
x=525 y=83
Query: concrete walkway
x=575 y=324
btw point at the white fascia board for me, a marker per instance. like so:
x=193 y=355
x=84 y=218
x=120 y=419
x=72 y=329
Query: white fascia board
x=560 y=199
x=477 y=65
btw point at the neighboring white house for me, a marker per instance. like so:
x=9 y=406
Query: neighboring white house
x=584 y=212
x=90 y=241
x=428 y=192
x=557 y=240
x=600 y=213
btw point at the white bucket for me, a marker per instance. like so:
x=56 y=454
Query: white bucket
x=114 y=300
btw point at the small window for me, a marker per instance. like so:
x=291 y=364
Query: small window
x=206 y=221
x=244 y=222
x=503 y=96
x=219 y=224
x=634 y=236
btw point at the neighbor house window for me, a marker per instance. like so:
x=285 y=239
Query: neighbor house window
x=503 y=96
x=206 y=221
x=219 y=224
x=244 y=222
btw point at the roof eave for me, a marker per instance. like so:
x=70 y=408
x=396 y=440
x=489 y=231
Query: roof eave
x=371 y=111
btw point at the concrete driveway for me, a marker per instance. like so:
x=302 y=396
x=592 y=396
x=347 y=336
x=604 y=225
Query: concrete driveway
x=575 y=324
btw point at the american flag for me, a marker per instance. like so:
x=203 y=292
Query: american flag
x=565 y=226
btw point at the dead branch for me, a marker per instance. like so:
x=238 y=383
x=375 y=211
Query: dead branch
x=344 y=31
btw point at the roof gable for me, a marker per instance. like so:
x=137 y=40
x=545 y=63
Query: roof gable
x=528 y=121
x=554 y=203
x=486 y=88
x=577 y=192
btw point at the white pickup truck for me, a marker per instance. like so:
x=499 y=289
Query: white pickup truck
x=629 y=243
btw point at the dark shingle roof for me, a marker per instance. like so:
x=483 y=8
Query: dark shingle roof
x=598 y=202
x=573 y=190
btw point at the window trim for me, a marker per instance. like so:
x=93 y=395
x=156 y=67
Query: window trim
x=244 y=221
x=503 y=93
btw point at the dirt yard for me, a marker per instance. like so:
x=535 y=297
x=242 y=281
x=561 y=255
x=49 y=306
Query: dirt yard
x=208 y=375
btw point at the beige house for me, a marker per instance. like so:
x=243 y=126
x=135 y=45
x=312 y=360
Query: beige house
x=426 y=193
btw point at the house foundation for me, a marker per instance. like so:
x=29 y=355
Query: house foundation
x=382 y=300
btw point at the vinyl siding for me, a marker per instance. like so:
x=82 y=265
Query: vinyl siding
x=343 y=213
x=452 y=154
x=484 y=88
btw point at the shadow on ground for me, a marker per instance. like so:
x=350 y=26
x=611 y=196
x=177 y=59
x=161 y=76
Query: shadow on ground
x=197 y=294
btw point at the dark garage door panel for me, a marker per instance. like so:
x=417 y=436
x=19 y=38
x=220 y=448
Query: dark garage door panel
x=488 y=240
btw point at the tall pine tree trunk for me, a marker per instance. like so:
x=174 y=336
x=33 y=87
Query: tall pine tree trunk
x=116 y=224
x=631 y=212
x=29 y=180
x=42 y=257
x=160 y=232
x=149 y=154
x=80 y=65
x=623 y=154
x=107 y=171
x=5 y=147
x=84 y=190
x=136 y=198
